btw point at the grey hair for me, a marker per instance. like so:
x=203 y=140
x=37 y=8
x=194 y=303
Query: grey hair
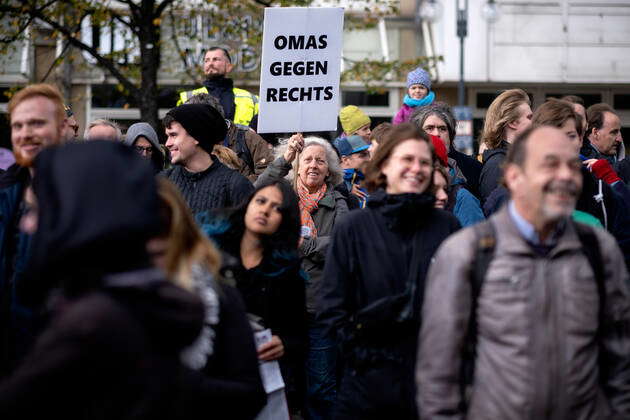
x=335 y=173
x=440 y=110
x=105 y=122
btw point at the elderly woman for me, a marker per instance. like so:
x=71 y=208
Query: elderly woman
x=374 y=279
x=312 y=167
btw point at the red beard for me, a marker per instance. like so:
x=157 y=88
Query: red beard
x=22 y=160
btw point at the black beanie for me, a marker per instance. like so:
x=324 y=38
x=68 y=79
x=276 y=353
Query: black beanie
x=202 y=122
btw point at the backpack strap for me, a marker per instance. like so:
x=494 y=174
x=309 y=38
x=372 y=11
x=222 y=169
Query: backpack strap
x=485 y=244
x=592 y=251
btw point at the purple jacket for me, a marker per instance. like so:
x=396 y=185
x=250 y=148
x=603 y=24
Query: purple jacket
x=403 y=114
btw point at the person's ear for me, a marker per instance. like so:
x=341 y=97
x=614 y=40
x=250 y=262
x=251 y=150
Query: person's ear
x=513 y=124
x=229 y=67
x=512 y=176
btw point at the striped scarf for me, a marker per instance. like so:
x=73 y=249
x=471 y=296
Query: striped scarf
x=309 y=203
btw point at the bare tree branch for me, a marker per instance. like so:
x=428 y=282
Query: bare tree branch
x=161 y=7
x=263 y=3
x=132 y=6
x=129 y=25
x=102 y=61
x=17 y=35
x=56 y=61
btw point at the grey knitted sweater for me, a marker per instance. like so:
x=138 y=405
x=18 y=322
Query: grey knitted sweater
x=216 y=187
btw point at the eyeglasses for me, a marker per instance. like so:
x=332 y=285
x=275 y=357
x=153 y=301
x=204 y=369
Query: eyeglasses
x=144 y=150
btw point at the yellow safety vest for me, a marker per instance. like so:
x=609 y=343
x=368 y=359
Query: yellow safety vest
x=245 y=104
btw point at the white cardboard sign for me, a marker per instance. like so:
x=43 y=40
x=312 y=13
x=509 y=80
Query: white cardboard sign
x=300 y=70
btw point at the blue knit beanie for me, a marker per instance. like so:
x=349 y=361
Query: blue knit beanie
x=419 y=76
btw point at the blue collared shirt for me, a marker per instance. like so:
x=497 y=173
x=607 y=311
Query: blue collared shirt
x=527 y=230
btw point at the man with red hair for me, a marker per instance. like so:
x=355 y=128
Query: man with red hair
x=37 y=120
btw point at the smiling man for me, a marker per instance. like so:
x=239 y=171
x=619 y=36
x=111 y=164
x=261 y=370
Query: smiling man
x=192 y=130
x=37 y=120
x=535 y=305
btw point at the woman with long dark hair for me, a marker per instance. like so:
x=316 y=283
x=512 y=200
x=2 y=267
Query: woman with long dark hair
x=262 y=235
x=224 y=353
x=373 y=281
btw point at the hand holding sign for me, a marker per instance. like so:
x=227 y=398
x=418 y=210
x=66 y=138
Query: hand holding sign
x=294 y=147
x=300 y=69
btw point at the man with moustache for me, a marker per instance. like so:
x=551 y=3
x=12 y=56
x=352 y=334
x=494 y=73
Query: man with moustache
x=37 y=120
x=542 y=329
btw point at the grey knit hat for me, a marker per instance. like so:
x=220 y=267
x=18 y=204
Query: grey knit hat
x=419 y=76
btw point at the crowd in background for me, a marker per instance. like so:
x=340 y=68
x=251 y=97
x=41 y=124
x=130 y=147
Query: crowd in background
x=398 y=276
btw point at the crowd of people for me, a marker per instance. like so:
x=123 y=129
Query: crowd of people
x=383 y=272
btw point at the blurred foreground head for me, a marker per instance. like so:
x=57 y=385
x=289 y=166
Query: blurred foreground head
x=98 y=206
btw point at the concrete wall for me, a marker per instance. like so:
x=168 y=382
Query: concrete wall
x=562 y=41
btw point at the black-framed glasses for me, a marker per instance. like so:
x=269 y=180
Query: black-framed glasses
x=144 y=150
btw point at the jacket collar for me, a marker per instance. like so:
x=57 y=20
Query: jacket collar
x=329 y=198
x=511 y=241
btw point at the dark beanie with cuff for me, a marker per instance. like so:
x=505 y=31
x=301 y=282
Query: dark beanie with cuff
x=202 y=122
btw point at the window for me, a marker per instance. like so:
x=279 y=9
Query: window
x=588 y=98
x=363 y=98
x=621 y=101
x=484 y=99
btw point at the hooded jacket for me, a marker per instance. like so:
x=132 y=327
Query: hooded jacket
x=144 y=129
x=112 y=347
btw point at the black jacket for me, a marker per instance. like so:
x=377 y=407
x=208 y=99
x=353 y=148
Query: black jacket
x=471 y=168
x=371 y=297
x=112 y=348
x=368 y=265
x=622 y=167
x=111 y=353
x=491 y=172
x=274 y=291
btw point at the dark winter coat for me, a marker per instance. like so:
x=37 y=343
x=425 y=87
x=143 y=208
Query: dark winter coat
x=471 y=168
x=492 y=172
x=216 y=187
x=18 y=324
x=371 y=295
x=111 y=353
x=622 y=167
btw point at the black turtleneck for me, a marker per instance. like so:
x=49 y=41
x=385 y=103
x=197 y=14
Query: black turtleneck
x=221 y=88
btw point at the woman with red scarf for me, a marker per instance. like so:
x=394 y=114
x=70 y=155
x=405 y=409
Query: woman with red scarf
x=312 y=166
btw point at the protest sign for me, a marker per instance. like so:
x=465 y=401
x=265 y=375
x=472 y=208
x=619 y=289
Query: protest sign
x=300 y=70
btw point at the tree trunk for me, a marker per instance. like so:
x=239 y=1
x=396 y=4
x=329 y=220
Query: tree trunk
x=150 y=62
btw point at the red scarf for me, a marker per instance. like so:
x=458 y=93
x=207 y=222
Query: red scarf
x=309 y=203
